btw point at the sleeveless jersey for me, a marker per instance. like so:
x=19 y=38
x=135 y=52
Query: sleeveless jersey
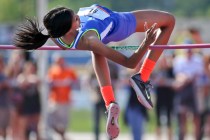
x=109 y=25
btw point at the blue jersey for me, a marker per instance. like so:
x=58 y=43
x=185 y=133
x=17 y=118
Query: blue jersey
x=109 y=25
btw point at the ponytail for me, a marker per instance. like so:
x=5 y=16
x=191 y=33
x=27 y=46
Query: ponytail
x=29 y=35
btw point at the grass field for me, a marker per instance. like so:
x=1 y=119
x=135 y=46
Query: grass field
x=82 y=121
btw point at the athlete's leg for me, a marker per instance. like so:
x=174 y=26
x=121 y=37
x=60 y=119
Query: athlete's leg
x=102 y=72
x=101 y=69
x=103 y=75
x=165 y=22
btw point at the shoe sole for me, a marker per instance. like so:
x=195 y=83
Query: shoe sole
x=140 y=97
x=112 y=127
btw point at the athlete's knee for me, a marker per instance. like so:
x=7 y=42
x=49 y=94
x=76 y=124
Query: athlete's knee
x=170 y=19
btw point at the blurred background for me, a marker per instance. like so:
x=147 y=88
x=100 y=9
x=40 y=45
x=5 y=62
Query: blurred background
x=54 y=94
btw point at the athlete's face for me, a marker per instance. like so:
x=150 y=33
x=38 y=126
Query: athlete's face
x=75 y=25
x=75 y=22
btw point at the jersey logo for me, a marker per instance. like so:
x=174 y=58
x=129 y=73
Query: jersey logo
x=94 y=11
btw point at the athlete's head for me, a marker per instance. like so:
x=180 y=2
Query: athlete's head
x=58 y=22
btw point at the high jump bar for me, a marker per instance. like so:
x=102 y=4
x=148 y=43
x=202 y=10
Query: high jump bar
x=152 y=47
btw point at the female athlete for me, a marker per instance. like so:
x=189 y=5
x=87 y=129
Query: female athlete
x=91 y=29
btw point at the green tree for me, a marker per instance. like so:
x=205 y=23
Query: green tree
x=75 y=5
x=192 y=8
x=16 y=10
x=129 y=5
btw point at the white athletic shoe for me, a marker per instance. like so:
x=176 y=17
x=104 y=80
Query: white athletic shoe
x=112 y=126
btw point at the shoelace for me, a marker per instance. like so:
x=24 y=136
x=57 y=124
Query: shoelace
x=147 y=85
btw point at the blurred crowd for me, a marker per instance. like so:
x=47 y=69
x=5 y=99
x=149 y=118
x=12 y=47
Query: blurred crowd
x=182 y=90
x=181 y=94
x=20 y=97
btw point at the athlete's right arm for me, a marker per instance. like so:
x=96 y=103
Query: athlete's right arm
x=95 y=45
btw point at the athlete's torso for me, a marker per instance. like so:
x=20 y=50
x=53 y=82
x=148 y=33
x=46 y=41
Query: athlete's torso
x=94 y=18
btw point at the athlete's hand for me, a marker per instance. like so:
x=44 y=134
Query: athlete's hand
x=150 y=33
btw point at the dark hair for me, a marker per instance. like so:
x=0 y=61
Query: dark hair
x=29 y=35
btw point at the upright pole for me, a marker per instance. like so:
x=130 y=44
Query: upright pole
x=42 y=69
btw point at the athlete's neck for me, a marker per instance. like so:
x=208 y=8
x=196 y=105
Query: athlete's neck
x=69 y=37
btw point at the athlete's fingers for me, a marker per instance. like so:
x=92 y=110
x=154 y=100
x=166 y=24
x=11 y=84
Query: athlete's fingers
x=151 y=32
x=152 y=28
x=145 y=26
x=154 y=34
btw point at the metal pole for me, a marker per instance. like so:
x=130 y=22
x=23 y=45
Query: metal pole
x=152 y=47
x=42 y=69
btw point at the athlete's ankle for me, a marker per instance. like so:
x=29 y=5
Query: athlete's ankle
x=107 y=94
x=146 y=69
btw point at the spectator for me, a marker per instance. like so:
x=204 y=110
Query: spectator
x=195 y=36
x=163 y=79
x=205 y=99
x=135 y=113
x=61 y=77
x=4 y=101
x=98 y=105
x=13 y=69
x=187 y=69
x=28 y=82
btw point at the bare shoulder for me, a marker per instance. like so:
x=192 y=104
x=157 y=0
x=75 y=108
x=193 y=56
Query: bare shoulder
x=89 y=40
